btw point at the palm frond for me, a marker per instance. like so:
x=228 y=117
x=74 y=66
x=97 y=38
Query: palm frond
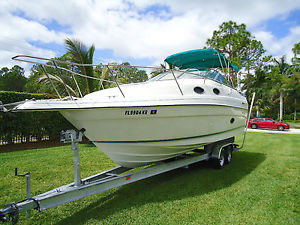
x=80 y=54
x=76 y=49
x=57 y=79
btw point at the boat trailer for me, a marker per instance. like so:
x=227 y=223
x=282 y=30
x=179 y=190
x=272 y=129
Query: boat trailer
x=219 y=152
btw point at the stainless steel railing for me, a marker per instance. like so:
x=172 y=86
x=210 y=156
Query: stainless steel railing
x=53 y=63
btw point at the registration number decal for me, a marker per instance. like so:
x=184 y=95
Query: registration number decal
x=140 y=112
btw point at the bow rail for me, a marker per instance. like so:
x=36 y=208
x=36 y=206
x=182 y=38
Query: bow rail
x=44 y=62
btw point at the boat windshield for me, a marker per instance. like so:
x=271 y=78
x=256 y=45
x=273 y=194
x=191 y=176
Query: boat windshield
x=192 y=74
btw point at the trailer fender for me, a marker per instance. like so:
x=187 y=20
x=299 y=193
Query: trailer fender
x=217 y=147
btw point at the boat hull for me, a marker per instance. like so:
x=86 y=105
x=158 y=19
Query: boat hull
x=136 y=136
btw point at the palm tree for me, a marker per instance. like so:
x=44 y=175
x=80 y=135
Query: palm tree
x=78 y=53
x=283 y=67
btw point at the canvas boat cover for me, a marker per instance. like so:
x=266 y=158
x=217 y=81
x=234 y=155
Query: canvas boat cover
x=199 y=58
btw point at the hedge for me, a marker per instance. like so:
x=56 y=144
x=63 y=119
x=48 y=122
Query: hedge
x=291 y=116
x=29 y=124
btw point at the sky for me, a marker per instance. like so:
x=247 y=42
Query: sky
x=138 y=31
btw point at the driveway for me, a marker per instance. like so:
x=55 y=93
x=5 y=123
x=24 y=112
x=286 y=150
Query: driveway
x=290 y=131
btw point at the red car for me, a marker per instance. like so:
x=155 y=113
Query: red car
x=268 y=123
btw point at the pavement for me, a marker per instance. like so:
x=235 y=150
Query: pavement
x=290 y=131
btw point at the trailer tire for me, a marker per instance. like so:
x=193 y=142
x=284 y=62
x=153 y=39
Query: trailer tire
x=219 y=162
x=228 y=155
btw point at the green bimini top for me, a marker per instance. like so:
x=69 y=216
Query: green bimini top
x=200 y=58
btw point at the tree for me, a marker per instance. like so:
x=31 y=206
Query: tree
x=296 y=58
x=64 y=81
x=280 y=79
x=12 y=79
x=275 y=82
x=293 y=83
x=38 y=82
x=253 y=57
x=293 y=92
x=78 y=53
x=123 y=74
x=261 y=84
x=238 y=45
x=128 y=74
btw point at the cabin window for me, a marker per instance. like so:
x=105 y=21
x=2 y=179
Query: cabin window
x=216 y=91
x=199 y=90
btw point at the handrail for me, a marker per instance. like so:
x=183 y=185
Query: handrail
x=56 y=67
x=51 y=81
x=76 y=64
x=27 y=61
x=63 y=81
x=115 y=81
x=176 y=82
x=247 y=122
x=77 y=84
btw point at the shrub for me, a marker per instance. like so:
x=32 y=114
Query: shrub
x=28 y=124
x=291 y=116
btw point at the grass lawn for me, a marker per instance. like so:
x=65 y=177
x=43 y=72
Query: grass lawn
x=260 y=186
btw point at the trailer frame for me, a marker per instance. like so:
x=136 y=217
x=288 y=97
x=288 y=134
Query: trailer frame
x=106 y=180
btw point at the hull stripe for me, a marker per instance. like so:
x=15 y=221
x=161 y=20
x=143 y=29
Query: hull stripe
x=122 y=107
x=165 y=140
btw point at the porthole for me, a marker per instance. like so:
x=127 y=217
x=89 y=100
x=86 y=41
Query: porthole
x=232 y=120
x=198 y=90
x=216 y=91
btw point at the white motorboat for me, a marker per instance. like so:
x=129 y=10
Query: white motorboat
x=175 y=112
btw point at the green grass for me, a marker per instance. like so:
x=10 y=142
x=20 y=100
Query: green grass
x=260 y=186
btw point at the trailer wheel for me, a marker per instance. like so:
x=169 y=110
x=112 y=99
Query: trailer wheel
x=228 y=156
x=219 y=163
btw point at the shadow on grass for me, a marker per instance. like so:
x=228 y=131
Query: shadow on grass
x=178 y=184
